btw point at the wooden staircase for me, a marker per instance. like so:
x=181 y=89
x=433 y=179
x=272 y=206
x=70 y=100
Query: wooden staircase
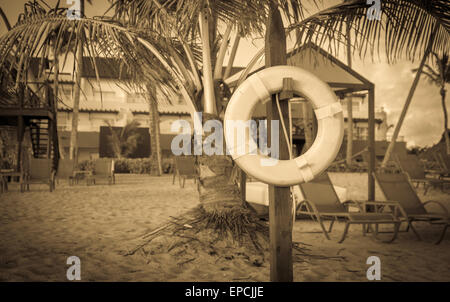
x=40 y=138
x=44 y=143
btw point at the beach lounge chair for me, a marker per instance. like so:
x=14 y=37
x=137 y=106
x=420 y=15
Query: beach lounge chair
x=36 y=171
x=444 y=162
x=398 y=188
x=410 y=164
x=184 y=168
x=103 y=169
x=65 y=171
x=321 y=202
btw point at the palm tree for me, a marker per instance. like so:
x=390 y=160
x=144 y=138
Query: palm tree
x=440 y=76
x=185 y=41
x=73 y=148
x=125 y=141
x=155 y=133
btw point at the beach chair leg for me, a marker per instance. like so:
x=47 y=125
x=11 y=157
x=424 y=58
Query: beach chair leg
x=347 y=225
x=394 y=235
x=174 y=176
x=331 y=225
x=373 y=231
x=364 y=229
x=414 y=230
x=323 y=227
x=442 y=234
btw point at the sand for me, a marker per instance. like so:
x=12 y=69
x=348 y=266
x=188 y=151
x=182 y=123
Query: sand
x=100 y=224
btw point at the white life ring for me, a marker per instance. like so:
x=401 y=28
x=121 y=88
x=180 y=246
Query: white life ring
x=259 y=88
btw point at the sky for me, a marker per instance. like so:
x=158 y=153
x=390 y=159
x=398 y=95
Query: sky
x=424 y=122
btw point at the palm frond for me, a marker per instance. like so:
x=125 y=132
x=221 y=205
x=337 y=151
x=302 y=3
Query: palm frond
x=180 y=17
x=141 y=54
x=439 y=73
x=406 y=26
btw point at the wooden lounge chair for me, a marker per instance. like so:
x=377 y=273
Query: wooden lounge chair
x=410 y=164
x=184 y=167
x=321 y=202
x=65 y=171
x=398 y=188
x=37 y=171
x=103 y=169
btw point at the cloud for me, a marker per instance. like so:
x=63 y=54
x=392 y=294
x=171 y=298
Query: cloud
x=424 y=121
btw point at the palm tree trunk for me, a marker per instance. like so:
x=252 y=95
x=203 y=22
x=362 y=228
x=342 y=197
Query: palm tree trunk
x=444 y=108
x=208 y=83
x=5 y=19
x=349 y=152
x=390 y=148
x=234 y=48
x=219 y=194
x=155 y=135
x=73 y=149
x=307 y=126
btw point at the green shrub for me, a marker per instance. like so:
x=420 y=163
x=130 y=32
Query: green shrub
x=129 y=165
x=167 y=165
x=121 y=166
x=86 y=165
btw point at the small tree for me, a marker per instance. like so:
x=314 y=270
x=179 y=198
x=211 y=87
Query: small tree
x=125 y=142
x=439 y=75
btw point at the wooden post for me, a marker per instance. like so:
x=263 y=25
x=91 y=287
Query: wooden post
x=280 y=203
x=371 y=144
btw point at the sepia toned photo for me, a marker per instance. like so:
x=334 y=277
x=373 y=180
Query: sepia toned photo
x=237 y=141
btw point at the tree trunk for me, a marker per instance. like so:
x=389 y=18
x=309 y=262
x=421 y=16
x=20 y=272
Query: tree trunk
x=73 y=149
x=408 y=99
x=5 y=19
x=220 y=200
x=307 y=127
x=155 y=135
x=209 y=105
x=349 y=152
x=444 y=108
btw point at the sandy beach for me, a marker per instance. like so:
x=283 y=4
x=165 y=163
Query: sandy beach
x=100 y=224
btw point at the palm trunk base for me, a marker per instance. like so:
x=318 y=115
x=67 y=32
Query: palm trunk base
x=209 y=237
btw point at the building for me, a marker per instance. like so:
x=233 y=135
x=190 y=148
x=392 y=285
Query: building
x=107 y=102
